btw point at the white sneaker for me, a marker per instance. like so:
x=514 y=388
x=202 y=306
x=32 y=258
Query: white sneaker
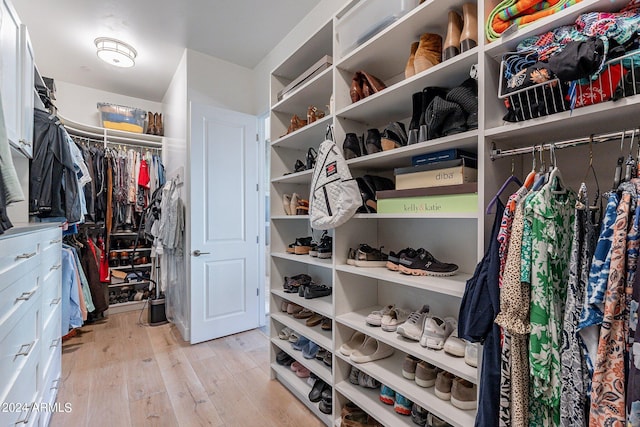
x=455 y=346
x=375 y=317
x=471 y=354
x=412 y=328
x=394 y=318
x=436 y=331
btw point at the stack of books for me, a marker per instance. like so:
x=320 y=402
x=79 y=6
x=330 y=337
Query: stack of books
x=439 y=183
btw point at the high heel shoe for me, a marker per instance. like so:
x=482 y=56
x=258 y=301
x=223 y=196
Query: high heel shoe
x=314 y=114
x=409 y=70
x=312 y=154
x=451 y=46
x=429 y=52
x=469 y=37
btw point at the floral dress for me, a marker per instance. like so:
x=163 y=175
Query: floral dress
x=574 y=372
x=552 y=218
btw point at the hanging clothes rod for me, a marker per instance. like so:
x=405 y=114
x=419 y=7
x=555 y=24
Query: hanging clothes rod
x=497 y=153
x=129 y=145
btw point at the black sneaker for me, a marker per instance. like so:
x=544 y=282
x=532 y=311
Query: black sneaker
x=418 y=415
x=366 y=256
x=313 y=251
x=422 y=263
x=393 y=260
x=325 y=248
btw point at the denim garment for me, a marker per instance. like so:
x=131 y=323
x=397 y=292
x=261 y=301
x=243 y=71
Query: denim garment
x=71 y=315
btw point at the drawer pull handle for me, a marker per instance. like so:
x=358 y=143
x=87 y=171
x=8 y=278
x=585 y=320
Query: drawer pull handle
x=56 y=301
x=28 y=416
x=25 y=349
x=55 y=343
x=26 y=296
x=53 y=242
x=55 y=384
x=55 y=267
x=26 y=256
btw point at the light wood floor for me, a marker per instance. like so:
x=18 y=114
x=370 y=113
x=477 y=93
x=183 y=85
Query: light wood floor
x=119 y=373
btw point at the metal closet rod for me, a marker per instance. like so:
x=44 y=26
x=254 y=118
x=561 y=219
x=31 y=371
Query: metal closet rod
x=497 y=153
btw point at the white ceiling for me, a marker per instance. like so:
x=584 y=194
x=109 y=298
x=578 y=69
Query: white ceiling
x=239 y=31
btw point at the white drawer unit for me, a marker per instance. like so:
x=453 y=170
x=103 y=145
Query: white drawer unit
x=30 y=334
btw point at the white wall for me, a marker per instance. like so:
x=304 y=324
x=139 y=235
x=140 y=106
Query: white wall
x=78 y=103
x=175 y=156
x=300 y=33
x=219 y=83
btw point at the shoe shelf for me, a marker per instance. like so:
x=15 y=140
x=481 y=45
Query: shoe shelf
x=126 y=306
x=451 y=285
x=131 y=250
x=303 y=177
x=456 y=215
x=369 y=401
x=299 y=387
x=315 y=334
x=323 y=305
x=286 y=217
x=119 y=285
x=300 y=138
x=313 y=92
x=600 y=118
x=389 y=372
x=567 y=16
x=314 y=365
x=131 y=234
x=401 y=157
x=394 y=102
x=455 y=365
x=128 y=267
x=305 y=259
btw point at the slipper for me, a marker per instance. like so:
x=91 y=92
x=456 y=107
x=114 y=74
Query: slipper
x=295 y=366
x=301 y=343
x=314 y=320
x=294 y=337
x=310 y=350
x=293 y=308
x=371 y=350
x=327 y=359
x=284 y=305
x=303 y=372
x=303 y=314
x=321 y=354
x=354 y=342
x=327 y=324
x=285 y=333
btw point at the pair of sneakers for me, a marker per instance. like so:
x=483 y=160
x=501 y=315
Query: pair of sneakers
x=401 y=404
x=419 y=262
x=367 y=256
x=433 y=332
x=389 y=318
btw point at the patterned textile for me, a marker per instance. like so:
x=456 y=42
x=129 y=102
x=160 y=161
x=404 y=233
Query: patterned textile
x=608 y=383
x=520 y=13
x=514 y=318
x=552 y=218
x=591 y=316
x=633 y=387
x=574 y=372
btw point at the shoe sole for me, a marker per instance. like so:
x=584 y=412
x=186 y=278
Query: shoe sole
x=418 y=272
x=374 y=323
x=302 y=250
x=388 y=144
x=392 y=266
x=313 y=253
x=425 y=383
x=406 y=335
x=471 y=362
x=358 y=263
x=389 y=328
x=324 y=255
x=465 y=405
x=409 y=375
x=291 y=251
x=351 y=262
x=402 y=410
x=432 y=344
x=453 y=351
x=387 y=400
x=442 y=395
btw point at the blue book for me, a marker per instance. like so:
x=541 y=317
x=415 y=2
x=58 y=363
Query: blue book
x=442 y=156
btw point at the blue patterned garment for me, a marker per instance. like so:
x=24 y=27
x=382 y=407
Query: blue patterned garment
x=592 y=311
x=633 y=387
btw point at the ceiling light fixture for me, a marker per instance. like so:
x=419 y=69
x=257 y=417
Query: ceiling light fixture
x=115 y=52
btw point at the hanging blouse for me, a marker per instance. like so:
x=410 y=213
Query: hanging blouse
x=574 y=373
x=633 y=387
x=608 y=384
x=552 y=218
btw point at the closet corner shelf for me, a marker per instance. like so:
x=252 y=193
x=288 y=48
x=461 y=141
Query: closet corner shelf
x=305 y=259
x=315 y=334
x=401 y=157
x=303 y=177
x=128 y=267
x=609 y=116
x=452 y=285
x=80 y=129
x=566 y=16
x=300 y=389
x=394 y=102
x=323 y=306
x=456 y=365
x=314 y=365
x=314 y=92
x=301 y=138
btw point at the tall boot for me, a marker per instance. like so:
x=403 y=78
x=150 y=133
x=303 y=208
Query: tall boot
x=414 y=126
x=428 y=94
x=151 y=127
x=469 y=37
x=409 y=70
x=452 y=41
x=159 y=125
x=429 y=52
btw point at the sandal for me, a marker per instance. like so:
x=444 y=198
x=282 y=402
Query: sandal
x=286 y=203
x=285 y=333
x=299 y=166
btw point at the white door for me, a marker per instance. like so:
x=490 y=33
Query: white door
x=224 y=223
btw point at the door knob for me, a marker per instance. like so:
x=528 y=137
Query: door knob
x=198 y=253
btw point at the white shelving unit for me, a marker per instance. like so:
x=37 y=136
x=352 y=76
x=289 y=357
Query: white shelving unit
x=459 y=238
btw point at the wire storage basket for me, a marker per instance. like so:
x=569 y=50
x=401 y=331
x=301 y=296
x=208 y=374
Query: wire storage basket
x=530 y=90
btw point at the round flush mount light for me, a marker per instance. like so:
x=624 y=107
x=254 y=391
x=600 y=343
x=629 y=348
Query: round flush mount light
x=115 y=52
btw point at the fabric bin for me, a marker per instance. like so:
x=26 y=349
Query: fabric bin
x=119 y=117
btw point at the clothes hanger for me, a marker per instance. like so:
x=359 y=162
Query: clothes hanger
x=555 y=177
x=630 y=166
x=509 y=180
x=541 y=178
x=618 y=171
x=528 y=181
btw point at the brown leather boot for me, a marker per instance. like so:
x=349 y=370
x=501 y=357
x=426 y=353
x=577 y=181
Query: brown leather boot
x=452 y=41
x=159 y=125
x=409 y=70
x=469 y=37
x=151 y=127
x=429 y=52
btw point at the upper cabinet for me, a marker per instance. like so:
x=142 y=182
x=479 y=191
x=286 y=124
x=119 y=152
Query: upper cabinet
x=16 y=80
